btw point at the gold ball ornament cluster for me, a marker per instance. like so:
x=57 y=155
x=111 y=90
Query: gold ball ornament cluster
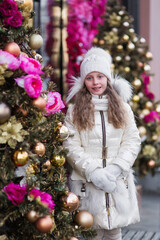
x=84 y=219
x=58 y=160
x=20 y=157
x=36 y=41
x=70 y=201
x=44 y=224
x=40 y=149
x=12 y=48
x=5 y=113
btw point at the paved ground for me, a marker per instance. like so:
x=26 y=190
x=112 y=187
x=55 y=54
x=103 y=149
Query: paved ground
x=149 y=212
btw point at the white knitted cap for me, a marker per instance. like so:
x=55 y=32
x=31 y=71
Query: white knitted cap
x=96 y=60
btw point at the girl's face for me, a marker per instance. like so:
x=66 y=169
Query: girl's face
x=96 y=83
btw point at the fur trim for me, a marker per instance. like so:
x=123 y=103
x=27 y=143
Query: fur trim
x=122 y=87
x=77 y=84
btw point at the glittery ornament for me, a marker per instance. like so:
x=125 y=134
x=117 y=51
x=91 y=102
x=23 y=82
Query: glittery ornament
x=44 y=224
x=20 y=157
x=58 y=160
x=70 y=201
x=40 y=149
x=142 y=131
x=84 y=219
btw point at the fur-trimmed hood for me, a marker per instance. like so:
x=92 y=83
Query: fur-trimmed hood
x=121 y=85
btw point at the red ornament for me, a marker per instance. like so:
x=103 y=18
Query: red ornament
x=12 y=48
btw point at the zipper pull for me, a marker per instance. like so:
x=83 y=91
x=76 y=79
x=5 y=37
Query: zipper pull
x=83 y=190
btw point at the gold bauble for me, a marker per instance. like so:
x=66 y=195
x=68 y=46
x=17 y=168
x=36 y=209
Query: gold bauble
x=131 y=30
x=4 y=113
x=151 y=163
x=39 y=103
x=130 y=46
x=118 y=58
x=32 y=216
x=142 y=131
x=158 y=108
x=44 y=224
x=101 y=42
x=46 y=166
x=40 y=149
x=135 y=98
x=127 y=69
x=127 y=58
x=95 y=40
x=126 y=24
x=142 y=40
x=12 y=48
x=63 y=133
x=147 y=67
x=149 y=105
x=155 y=137
x=149 y=55
x=35 y=41
x=119 y=47
x=58 y=160
x=84 y=219
x=125 y=37
x=31 y=170
x=145 y=112
x=70 y=202
x=20 y=157
x=137 y=83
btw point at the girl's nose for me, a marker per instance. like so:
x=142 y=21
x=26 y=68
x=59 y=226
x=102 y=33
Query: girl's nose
x=95 y=80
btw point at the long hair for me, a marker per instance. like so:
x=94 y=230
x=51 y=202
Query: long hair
x=83 y=111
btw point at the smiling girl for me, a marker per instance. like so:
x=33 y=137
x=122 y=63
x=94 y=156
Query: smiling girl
x=103 y=145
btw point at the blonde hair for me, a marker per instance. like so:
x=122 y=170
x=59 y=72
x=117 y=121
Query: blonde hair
x=83 y=111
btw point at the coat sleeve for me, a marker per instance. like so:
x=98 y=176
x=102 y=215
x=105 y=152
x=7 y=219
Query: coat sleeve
x=130 y=144
x=78 y=159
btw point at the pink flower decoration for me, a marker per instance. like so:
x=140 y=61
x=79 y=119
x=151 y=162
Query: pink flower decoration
x=31 y=83
x=54 y=103
x=14 y=21
x=45 y=198
x=151 y=117
x=30 y=65
x=146 y=80
x=8 y=8
x=9 y=11
x=15 y=193
x=7 y=58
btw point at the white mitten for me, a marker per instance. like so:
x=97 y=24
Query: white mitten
x=103 y=180
x=113 y=169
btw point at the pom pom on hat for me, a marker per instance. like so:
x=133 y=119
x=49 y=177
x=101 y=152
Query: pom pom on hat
x=96 y=60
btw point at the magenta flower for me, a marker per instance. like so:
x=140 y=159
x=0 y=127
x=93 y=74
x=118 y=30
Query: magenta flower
x=146 y=81
x=44 y=198
x=9 y=11
x=15 y=193
x=151 y=117
x=30 y=65
x=8 y=8
x=31 y=83
x=7 y=58
x=54 y=103
x=14 y=21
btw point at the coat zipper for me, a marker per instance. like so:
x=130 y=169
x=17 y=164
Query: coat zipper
x=104 y=154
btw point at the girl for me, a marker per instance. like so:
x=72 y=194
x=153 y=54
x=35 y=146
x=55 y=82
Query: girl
x=103 y=145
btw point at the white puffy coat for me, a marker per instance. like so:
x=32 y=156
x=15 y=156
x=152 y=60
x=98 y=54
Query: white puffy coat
x=85 y=155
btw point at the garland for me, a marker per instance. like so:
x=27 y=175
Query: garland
x=83 y=20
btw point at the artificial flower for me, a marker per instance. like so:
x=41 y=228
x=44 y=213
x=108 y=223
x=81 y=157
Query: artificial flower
x=42 y=198
x=9 y=11
x=14 y=21
x=152 y=117
x=15 y=193
x=30 y=65
x=12 y=132
x=7 y=58
x=146 y=80
x=31 y=83
x=54 y=103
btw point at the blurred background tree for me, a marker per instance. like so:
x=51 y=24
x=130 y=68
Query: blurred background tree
x=131 y=59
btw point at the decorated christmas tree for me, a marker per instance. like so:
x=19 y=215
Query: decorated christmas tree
x=131 y=59
x=34 y=199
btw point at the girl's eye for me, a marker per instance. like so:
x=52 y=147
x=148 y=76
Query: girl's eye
x=89 y=78
x=100 y=76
